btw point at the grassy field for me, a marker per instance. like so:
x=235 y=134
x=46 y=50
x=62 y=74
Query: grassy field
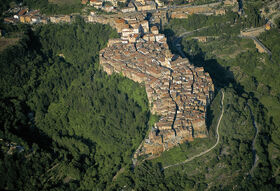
x=184 y=151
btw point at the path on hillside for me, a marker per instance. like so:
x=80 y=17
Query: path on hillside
x=176 y=42
x=255 y=156
x=208 y=150
x=191 y=32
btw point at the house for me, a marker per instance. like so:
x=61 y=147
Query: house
x=22 y=19
x=27 y=18
x=108 y=8
x=202 y=39
x=96 y=3
x=44 y=21
x=130 y=34
x=10 y=20
x=159 y=3
x=267 y=26
x=33 y=13
x=220 y=12
x=113 y=41
x=115 y=2
x=130 y=8
x=35 y=19
x=58 y=19
x=154 y=30
x=84 y=2
x=22 y=12
x=145 y=25
x=145 y=6
x=120 y=24
x=160 y=38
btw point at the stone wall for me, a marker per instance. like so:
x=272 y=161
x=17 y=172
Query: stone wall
x=253 y=32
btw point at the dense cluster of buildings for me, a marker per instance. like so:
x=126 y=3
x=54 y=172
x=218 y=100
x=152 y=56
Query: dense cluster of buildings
x=154 y=5
x=158 y=15
x=24 y=15
x=177 y=91
x=127 y=6
x=161 y=12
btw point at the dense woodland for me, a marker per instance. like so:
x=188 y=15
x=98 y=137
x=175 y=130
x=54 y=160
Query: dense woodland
x=76 y=125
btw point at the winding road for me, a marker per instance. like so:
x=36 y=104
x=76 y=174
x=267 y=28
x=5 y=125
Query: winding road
x=210 y=149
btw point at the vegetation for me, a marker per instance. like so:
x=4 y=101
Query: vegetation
x=5 y=5
x=185 y=151
x=269 y=38
x=229 y=24
x=66 y=125
x=57 y=7
x=47 y=7
x=251 y=81
x=246 y=79
x=77 y=126
x=201 y=21
x=253 y=18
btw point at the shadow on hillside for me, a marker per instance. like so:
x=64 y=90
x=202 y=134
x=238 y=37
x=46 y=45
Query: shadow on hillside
x=18 y=123
x=222 y=77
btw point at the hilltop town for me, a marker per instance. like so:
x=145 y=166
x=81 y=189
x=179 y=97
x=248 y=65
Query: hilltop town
x=177 y=91
x=139 y=94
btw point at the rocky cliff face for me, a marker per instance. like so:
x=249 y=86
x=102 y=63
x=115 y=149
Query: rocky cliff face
x=177 y=91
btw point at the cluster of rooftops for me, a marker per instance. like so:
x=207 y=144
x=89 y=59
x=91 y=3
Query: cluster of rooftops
x=24 y=15
x=177 y=91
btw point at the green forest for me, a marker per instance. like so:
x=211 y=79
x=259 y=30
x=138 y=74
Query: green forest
x=64 y=123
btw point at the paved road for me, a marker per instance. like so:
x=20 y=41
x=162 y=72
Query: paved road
x=208 y=150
